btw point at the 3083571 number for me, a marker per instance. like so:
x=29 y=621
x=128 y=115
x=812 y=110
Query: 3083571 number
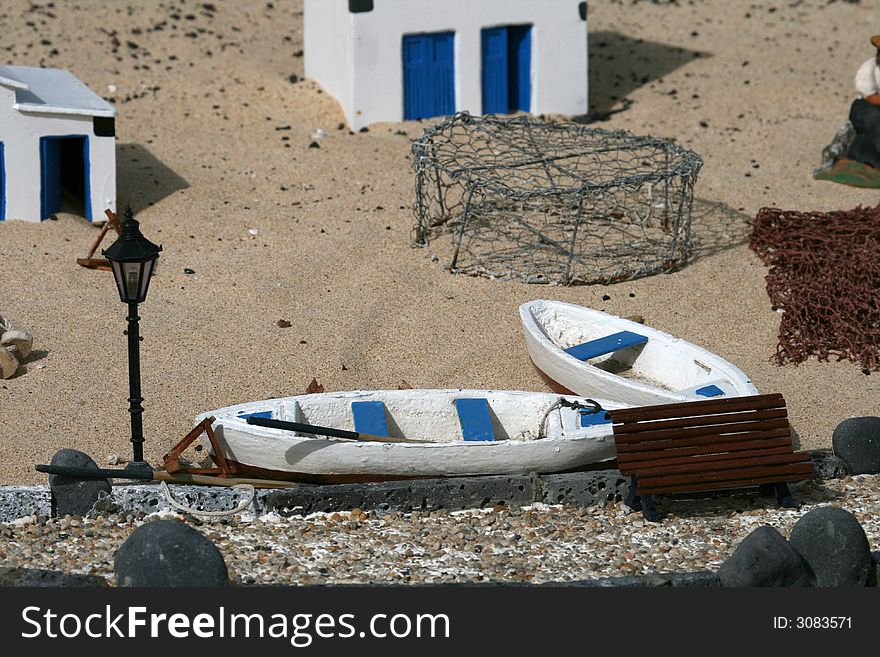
x=823 y=622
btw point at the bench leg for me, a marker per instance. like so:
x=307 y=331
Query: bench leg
x=784 y=498
x=633 y=501
x=649 y=511
x=767 y=490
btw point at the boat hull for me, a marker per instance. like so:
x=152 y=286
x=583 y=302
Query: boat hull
x=278 y=454
x=671 y=369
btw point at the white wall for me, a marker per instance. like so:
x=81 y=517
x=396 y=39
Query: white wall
x=327 y=48
x=20 y=133
x=559 y=52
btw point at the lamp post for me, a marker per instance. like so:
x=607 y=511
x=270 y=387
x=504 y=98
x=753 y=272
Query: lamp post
x=133 y=259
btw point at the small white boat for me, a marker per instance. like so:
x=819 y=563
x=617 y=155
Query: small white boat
x=587 y=352
x=452 y=433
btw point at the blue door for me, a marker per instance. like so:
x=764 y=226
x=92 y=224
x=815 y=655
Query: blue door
x=64 y=164
x=2 y=184
x=428 y=75
x=507 y=69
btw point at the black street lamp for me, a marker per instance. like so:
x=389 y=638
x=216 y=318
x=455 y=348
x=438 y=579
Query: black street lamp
x=133 y=259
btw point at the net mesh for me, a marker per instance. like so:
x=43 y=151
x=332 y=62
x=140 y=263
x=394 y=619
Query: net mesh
x=519 y=198
x=824 y=275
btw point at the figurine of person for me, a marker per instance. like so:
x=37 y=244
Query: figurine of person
x=864 y=114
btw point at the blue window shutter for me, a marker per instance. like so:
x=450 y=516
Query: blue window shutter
x=50 y=176
x=519 y=54
x=495 y=70
x=443 y=73
x=428 y=75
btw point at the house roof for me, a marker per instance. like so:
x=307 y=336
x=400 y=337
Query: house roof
x=52 y=91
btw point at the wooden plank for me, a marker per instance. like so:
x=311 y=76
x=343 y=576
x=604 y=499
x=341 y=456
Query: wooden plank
x=712 y=448
x=647 y=460
x=708 y=420
x=661 y=445
x=806 y=472
x=707 y=465
x=606 y=345
x=708 y=407
x=676 y=480
x=716 y=430
x=475 y=420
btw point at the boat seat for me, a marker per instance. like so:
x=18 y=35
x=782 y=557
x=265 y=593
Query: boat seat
x=369 y=417
x=718 y=388
x=594 y=419
x=606 y=345
x=263 y=414
x=476 y=422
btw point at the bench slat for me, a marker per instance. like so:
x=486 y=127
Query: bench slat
x=676 y=480
x=635 y=463
x=725 y=462
x=804 y=471
x=697 y=408
x=712 y=430
x=708 y=420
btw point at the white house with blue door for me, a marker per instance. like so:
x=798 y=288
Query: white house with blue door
x=394 y=60
x=57 y=146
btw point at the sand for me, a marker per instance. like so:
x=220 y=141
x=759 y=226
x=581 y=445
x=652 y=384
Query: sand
x=205 y=154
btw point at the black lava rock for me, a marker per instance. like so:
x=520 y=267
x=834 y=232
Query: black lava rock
x=169 y=553
x=34 y=577
x=834 y=546
x=72 y=496
x=764 y=558
x=826 y=465
x=857 y=442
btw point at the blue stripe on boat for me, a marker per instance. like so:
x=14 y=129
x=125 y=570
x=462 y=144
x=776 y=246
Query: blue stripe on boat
x=606 y=345
x=369 y=417
x=476 y=423
x=263 y=414
x=592 y=419
x=710 y=391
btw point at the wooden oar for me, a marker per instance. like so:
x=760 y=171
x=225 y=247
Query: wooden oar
x=325 y=431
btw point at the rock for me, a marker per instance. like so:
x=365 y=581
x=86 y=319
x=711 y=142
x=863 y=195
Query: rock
x=22 y=341
x=834 y=546
x=857 y=442
x=8 y=363
x=31 y=577
x=5 y=325
x=169 y=553
x=72 y=496
x=764 y=558
x=826 y=465
x=838 y=147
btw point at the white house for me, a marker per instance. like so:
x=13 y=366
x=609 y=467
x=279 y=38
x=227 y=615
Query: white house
x=56 y=135
x=393 y=60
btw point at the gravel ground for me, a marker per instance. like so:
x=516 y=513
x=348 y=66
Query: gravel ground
x=532 y=544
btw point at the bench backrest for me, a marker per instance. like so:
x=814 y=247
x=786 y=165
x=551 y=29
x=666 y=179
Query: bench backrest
x=708 y=445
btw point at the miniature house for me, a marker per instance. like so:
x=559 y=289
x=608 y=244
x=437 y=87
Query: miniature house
x=393 y=60
x=57 y=146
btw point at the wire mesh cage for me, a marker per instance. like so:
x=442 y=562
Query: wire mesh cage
x=518 y=198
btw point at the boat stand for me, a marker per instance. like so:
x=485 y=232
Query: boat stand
x=90 y=262
x=172 y=462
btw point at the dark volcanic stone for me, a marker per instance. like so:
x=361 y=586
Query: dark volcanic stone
x=834 y=546
x=169 y=553
x=826 y=465
x=72 y=496
x=764 y=558
x=30 y=577
x=857 y=442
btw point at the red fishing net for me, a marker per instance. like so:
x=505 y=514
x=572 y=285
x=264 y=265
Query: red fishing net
x=825 y=277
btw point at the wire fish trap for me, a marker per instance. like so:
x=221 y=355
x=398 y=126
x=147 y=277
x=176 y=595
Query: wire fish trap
x=518 y=198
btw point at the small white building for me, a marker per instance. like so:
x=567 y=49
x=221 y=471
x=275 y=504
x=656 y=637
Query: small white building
x=57 y=145
x=393 y=60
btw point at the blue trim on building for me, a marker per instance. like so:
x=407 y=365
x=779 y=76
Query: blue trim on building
x=506 y=59
x=50 y=175
x=428 y=74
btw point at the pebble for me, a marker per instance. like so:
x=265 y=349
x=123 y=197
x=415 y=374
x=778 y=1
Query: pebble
x=534 y=544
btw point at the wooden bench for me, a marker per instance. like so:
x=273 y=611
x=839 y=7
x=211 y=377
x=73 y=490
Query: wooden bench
x=717 y=444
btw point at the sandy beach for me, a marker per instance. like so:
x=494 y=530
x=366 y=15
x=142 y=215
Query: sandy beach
x=213 y=135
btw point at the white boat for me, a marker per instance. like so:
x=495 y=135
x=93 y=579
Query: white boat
x=587 y=352
x=452 y=433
